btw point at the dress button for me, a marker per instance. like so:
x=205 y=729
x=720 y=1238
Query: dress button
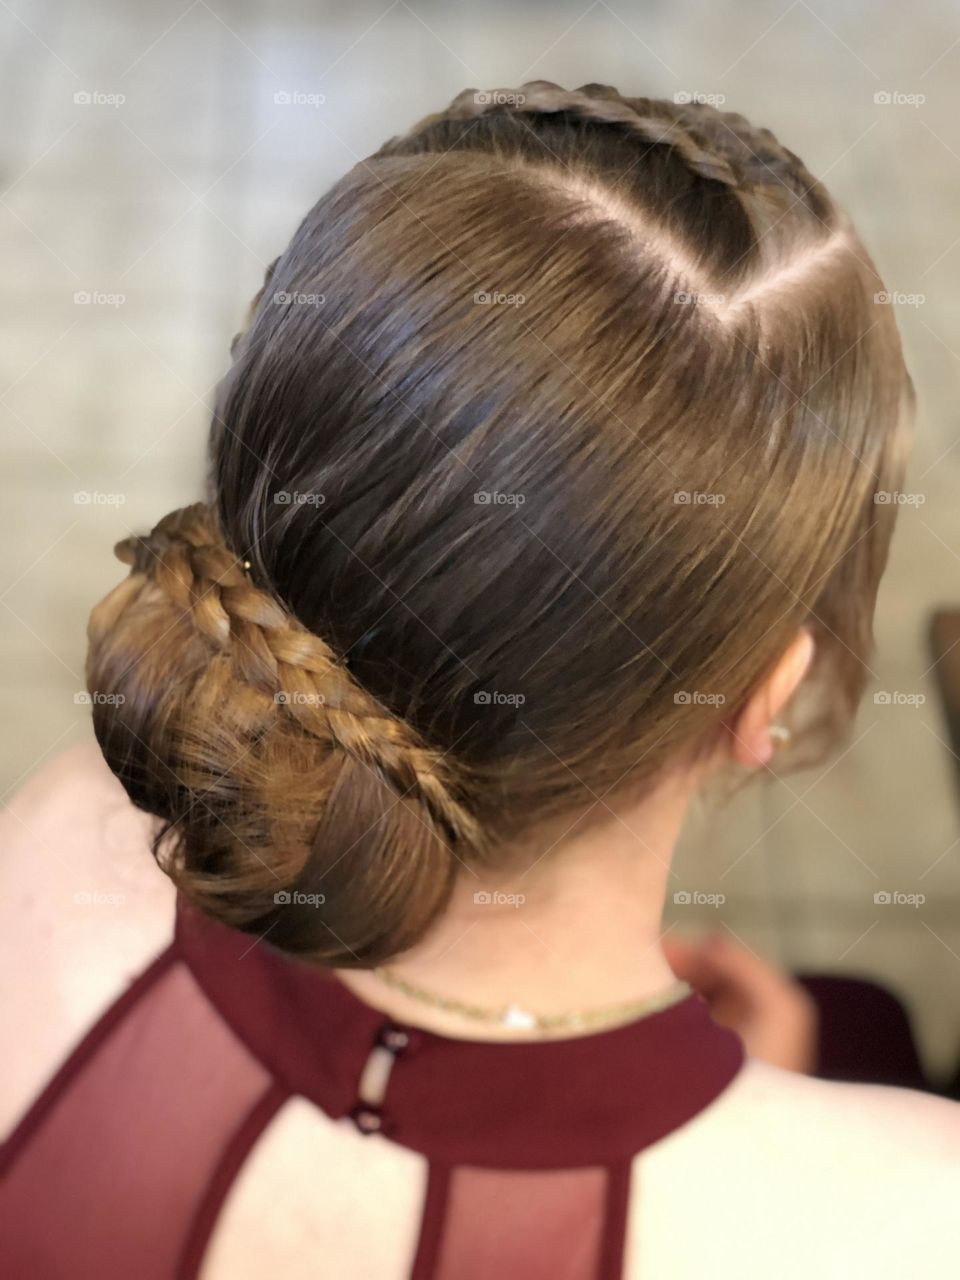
x=394 y=1039
x=367 y=1121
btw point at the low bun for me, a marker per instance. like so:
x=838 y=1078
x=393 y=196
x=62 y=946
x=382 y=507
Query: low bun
x=292 y=804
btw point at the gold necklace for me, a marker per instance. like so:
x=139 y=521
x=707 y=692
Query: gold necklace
x=516 y=1017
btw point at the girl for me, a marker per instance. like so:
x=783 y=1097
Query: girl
x=542 y=488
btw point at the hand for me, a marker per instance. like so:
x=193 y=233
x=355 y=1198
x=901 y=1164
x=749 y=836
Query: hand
x=773 y=1015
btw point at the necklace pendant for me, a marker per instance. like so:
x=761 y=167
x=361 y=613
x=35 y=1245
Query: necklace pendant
x=522 y=1019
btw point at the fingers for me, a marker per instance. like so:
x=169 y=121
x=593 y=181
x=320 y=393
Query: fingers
x=693 y=961
x=718 y=966
x=731 y=963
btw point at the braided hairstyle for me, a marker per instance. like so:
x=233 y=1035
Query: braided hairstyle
x=557 y=418
x=256 y=728
x=719 y=145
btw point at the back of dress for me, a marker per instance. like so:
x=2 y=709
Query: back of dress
x=234 y=1113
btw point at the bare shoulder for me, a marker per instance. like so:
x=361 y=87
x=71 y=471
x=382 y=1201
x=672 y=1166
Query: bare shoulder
x=793 y=1126
x=84 y=909
x=794 y=1177
x=860 y=1120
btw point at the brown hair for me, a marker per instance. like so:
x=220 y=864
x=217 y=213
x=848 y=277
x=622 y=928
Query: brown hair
x=555 y=421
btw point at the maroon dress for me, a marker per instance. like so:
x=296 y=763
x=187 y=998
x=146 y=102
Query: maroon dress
x=121 y=1167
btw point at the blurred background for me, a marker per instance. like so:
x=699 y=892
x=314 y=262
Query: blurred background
x=154 y=158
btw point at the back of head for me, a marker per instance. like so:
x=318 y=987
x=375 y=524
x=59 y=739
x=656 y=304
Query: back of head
x=555 y=421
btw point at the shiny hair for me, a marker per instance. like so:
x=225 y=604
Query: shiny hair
x=556 y=420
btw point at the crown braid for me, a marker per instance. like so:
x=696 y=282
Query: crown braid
x=187 y=559
x=600 y=104
x=722 y=146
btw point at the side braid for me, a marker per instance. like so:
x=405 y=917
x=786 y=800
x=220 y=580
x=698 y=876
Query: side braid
x=271 y=651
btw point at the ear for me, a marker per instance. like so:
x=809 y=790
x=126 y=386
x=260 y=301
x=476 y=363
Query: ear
x=751 y=743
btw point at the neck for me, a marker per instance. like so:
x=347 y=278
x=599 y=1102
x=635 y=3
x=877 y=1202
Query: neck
x=574 y=925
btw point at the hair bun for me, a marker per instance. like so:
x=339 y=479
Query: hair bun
x=278 y=779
